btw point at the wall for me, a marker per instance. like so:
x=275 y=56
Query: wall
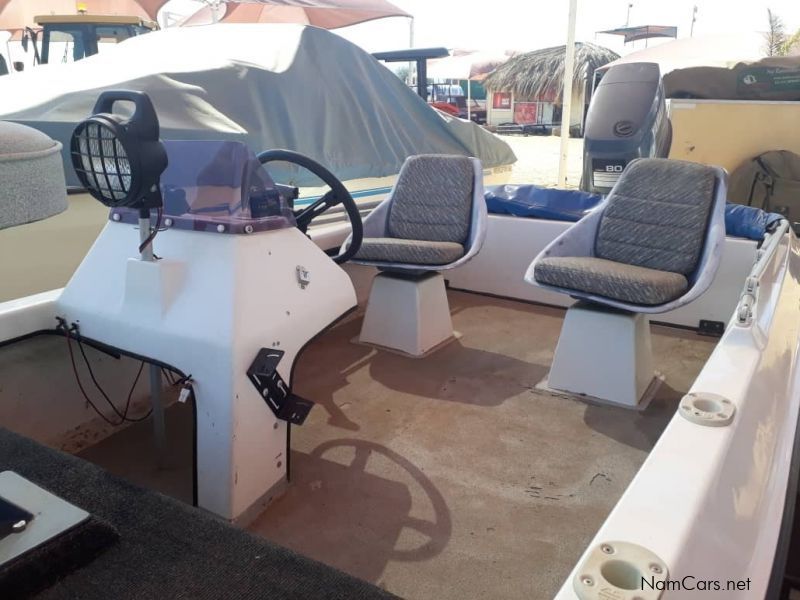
x=729 y=132
x=497 y=116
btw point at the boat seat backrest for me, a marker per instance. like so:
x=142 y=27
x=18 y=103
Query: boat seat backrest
x=657 y=215
x=432 y=199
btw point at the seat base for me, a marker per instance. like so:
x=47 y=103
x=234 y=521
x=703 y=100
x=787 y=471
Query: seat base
x=604 y=354
x=407 y=315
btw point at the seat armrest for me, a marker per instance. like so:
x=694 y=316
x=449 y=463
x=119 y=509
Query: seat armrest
x=479 y=218
x=711 y=255
x=376 y=222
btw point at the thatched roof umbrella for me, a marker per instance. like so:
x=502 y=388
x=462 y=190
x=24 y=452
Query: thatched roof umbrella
x=540 y=73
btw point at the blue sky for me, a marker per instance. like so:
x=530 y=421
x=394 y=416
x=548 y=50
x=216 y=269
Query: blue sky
x=531 y=24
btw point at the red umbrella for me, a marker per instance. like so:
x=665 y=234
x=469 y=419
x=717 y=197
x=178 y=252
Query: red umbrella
x=327 y=14
x=17 y=14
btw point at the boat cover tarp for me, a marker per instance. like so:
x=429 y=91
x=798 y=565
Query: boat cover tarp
x=749 y=222
x=776 y=78
x=770 y=181
x=536 y=202
x=268 y=85
x=539 y=202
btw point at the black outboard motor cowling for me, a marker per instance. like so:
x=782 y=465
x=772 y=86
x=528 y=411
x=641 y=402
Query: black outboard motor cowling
x=627 y=119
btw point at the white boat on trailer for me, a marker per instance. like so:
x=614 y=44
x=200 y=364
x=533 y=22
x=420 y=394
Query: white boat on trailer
x=465 y=445
x=267 y=85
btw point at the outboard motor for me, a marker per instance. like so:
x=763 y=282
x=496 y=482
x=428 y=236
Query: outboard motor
x=627 y=119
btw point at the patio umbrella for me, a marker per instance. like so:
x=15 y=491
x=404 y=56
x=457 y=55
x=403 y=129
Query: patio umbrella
x=327 y=14
x=469 y=65
x=18 y=14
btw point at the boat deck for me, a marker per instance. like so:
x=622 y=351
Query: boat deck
x=449 y=476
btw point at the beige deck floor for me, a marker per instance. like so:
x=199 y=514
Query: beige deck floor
x=451 y=477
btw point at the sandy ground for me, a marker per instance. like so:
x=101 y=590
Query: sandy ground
x=537 y=160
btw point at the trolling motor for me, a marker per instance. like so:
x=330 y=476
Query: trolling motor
x=627 y=119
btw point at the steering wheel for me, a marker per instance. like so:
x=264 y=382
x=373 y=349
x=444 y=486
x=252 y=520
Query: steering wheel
x=338 y=194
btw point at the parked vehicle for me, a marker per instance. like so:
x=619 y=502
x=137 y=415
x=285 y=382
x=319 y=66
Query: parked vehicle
x=450 y=98
x=68 y=38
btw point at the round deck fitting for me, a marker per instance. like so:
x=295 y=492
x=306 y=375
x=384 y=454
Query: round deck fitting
x=710 y=410
x=620 y=571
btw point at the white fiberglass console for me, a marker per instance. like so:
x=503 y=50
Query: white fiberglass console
x=232 y=297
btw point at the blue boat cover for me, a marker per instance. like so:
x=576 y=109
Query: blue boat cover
x=749 y=222
x=553 y=204
x=540 y=202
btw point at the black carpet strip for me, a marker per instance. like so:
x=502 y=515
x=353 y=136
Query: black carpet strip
x=167 y=549
x=46 y=564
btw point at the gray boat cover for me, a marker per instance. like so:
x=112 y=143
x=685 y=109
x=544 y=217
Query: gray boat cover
x=267 y=85
x=775 y=78
x=770 y=181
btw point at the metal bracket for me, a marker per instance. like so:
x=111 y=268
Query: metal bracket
x=709 y=410
x=303 y=277
x=263 y=373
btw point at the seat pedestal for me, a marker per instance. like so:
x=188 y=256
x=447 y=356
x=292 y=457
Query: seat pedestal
x=407 y=314
x=605 y=354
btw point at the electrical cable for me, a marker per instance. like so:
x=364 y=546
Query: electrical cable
x=94 y=380
x=130 y=395
x=123 y=416
x=154 y=231
x=80 y=385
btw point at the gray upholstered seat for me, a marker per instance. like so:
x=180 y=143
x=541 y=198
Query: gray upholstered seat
x=610 y=279
x=652 y=246
x=433 y=219
x=410 y=251
x=649 y=236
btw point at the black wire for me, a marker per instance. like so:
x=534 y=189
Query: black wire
x=96 y=384
x=123 y=416
x=80 y=385
x=168 y=376
x=154 y=231
x=130 y=395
